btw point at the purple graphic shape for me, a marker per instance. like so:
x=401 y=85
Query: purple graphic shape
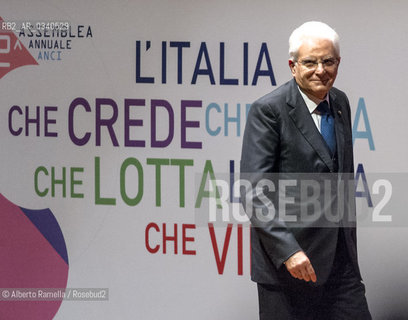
x=28 y=260
x=46 y=223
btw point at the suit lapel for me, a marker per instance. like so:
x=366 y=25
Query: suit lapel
x=339 y=128
x=301 y=117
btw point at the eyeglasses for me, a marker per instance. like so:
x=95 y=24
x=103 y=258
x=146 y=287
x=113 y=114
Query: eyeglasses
x=327 y=64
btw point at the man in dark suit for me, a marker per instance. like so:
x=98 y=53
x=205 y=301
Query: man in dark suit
x=307 y=269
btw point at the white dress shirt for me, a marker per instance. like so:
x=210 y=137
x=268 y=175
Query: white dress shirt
x=311 y=105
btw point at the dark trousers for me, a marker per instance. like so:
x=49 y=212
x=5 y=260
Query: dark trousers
x=342 y=297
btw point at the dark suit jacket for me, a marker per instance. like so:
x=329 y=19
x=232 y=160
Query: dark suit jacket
x=281 y=137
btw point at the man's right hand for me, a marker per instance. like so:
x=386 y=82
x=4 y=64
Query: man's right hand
x=300 y=267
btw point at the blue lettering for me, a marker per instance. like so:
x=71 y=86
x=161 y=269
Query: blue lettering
x=179 y=45
x=139 y=78
x=164 y=62
x=232 y=181
x=236 y=119
x=222 y=68
x=58 y=55
x=215 y=106
x=245 y=63
x=366 y=193
x=203 y=52
x=269 y=72
x=367 y=134
x=248 y=107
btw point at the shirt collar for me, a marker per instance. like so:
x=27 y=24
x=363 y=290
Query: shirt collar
x=311 y=105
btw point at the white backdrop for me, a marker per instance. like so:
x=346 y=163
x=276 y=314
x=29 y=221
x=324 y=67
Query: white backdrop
x=106 y=243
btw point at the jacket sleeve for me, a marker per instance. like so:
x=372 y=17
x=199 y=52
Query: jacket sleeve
x=259 y=164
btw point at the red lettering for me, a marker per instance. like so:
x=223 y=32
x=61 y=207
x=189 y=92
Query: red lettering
x=148 y=247
x=220 y=261
x=169 y=238
x=240 y=251
x=187 y=239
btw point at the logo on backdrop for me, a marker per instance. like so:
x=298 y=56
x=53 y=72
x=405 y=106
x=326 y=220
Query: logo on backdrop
x=33 y=255
x=13 y=53
x=29 y=43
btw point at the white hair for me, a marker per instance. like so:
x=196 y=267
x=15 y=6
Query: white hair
x=312 y=29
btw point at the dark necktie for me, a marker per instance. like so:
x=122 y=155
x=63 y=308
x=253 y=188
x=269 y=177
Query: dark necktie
x=327 y=125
